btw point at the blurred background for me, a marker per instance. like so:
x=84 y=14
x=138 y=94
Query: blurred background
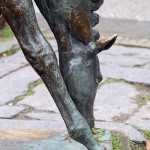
x=123 y=98
x=134 y=10
x=130 y=19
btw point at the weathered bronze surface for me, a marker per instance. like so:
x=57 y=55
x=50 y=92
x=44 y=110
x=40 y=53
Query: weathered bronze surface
x=73 y=83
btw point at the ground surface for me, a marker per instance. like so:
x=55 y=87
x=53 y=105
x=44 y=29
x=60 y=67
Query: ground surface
x=126 y=9
x=123 y=98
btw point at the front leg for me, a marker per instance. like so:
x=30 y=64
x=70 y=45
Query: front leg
x=21 y=17
x=72 y=23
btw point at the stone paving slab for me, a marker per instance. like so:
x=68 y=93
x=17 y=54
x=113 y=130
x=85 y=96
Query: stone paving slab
x=141 y=119
x=122 y=60
x=130 y=64
x=12 y=63
x=41 y=100
x=133 y=52
x=138 y=75
x=121 y=95
x=134 y=134
x=6 y=124
x=147 y=66
x=54 y=140
x=130 y=32
x=114 y=100
x=4 y=46
x=57 y=118
x=8 y=112
x=10 y=124
x=45 y=144
x=46 y=116
x=15 y=84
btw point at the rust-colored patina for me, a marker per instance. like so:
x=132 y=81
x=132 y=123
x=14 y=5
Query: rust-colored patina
x=80 y=26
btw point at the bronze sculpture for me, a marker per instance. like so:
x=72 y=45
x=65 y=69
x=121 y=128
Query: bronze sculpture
x=72 y=85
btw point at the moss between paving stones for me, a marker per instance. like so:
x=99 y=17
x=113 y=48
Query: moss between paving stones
x=6 y=33
x=34 y=84
x=138 y=146
x=108 y=81
x=98 y=133
x=29 y=92
x=141 y=101
x=22 y=115
x=146 y=134
x=10 y=52
x=21 y=97
x=120 y=141
x=141 y=146
x=116 y=141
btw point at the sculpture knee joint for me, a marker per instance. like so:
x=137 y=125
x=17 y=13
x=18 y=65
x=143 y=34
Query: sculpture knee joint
x=78 y=130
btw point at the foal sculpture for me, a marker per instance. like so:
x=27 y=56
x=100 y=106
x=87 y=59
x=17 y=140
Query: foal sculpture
x=73 y=83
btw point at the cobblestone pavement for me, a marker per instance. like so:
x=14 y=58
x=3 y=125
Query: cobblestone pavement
x=122 y=102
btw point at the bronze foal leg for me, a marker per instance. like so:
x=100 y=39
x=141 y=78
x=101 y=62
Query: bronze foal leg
x=20 y=16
